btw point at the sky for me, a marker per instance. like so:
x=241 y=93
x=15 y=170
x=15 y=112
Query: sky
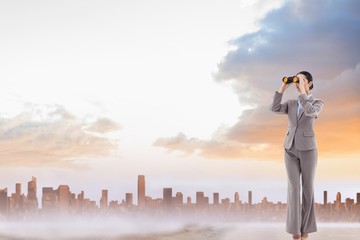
x=94 y=93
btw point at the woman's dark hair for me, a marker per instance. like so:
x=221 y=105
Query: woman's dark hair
x=308 y=77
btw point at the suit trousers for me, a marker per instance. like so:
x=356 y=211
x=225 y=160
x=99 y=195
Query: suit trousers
x=300 y=217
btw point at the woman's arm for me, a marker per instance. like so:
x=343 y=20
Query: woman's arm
x=276 y=105
x=310 y=109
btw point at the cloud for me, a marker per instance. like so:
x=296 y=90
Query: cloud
x=321 y=37
x=103 y=125
x=52 y=136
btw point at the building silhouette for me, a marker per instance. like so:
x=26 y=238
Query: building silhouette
x=167 y=198
x=32 y=201
x=104 y=199
x=141 y=191
x=216 y=198
x=325 y=198
x=250 y=198
x=3 y=201
x=129 y=199
x=179 y=199
x=64 y=198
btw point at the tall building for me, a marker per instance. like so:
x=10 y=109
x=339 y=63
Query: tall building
x=167 y=197
x=104 y=199
x=358 y=198
x=64 y=198
x=325 y=198
x=348 y=203
x=141 y=191
x=80 y=200
x=236 y=198
x=179 y=199
x=338 y=197
x=18 y=198
x=200 y=199
x=129 y=199
x=32 y=201
x=3 y=202
x=250 y=197
x=18 y=189
x=49 y=200
x=216 y=198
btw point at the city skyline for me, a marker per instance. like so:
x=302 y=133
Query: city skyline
x=167 y=193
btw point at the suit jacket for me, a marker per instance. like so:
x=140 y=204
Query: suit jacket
x=300 y=128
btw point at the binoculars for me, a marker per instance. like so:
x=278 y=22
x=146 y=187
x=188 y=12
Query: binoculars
x=289 y=80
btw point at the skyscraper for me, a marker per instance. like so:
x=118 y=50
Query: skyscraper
x=104 y=199
x=18 y=198
x=338 y=197
x=325 y=198
x=200 y=199
x=216 y=198
x=236 y=198
x=32 y=201
x=49 y=200
x=179 y=199
x=3 y=201
x=141 y=191
x=18 y=189
x=167 y=197
x=64 y=198
x=129 y=199
x=250 y=197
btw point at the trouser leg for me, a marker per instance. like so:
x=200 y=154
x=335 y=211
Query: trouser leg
x=293 y=208
x=308 y=162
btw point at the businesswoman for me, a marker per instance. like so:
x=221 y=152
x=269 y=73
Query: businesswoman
x=300 y=154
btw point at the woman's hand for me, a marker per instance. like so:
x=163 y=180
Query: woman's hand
x=301 y=84
x=283 y=87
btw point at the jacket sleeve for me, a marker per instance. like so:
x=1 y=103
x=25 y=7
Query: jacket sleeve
x=277 y=106
x=310 y=109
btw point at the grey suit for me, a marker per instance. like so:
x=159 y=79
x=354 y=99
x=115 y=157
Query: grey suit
x=300 y=154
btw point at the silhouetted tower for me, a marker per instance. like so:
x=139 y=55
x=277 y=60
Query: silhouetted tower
x=49 y=200
x=4 y=205
x=64 y=198
x=200 y=199
x=167 y=197
x=32 y=201
x=141 y=191
x=104 y=199
x=179 y=199
x=18 y=189
x=216 y=198
x=18 y=198
x=338 y=197
x=325 y=198
x=236 y=198
x=250 y=197
x=129 y=199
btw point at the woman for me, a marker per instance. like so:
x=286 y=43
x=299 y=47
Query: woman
x=300 y=150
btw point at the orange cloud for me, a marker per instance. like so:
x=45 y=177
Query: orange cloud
x=56 y=138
